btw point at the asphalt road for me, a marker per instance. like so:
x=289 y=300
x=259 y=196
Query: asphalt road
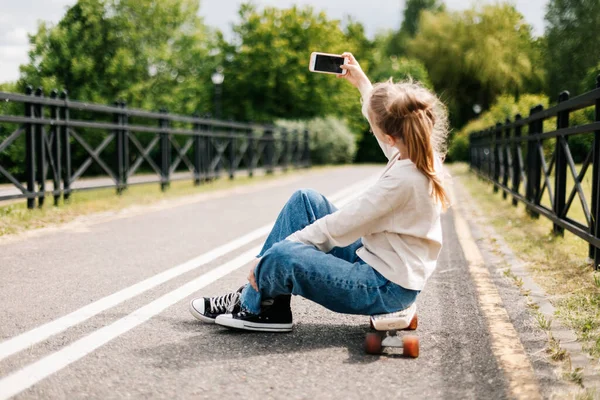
x=147 y=345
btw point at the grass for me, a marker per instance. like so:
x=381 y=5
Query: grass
x=575 y=211
x=575 y=376
x=558 y=264
x=542 y=321
x=16 y=218
x=556 y=352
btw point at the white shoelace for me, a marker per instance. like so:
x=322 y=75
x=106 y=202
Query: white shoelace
x=224 y=303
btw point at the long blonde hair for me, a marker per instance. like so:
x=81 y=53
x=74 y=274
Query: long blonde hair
x=408 y=111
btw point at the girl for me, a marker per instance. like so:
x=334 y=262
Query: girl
x=374 y=255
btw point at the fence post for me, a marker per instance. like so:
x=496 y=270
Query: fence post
x=471 y=158
x=54 y=115
x=506 y=157
x=251 y=154
x=207 y=129
x=197 y=151
x=497 y=152
x=30 y=151
x=473 y=151
x=595 y=225
x=296 y=155
x=535 y=165
x=490 y=145
x=284 y=149
x=478 y=158
x=306 y=162
x=165 y=151
x=66 y=146
x=516 y=178
x=231 y=151
x=125 y=135
x=270 y=148
x=40 y=142
x=117 y=120
x=560 y=178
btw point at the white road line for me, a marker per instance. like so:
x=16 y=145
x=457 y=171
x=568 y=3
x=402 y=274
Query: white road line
x=31 y=374
x=43 y=332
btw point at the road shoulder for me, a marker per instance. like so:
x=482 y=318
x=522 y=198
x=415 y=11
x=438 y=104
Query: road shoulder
x=528 y=307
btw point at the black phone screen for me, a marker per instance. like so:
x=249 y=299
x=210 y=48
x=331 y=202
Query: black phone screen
x=329 y=63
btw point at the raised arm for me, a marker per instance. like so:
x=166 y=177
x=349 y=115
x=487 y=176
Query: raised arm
x=359 y=80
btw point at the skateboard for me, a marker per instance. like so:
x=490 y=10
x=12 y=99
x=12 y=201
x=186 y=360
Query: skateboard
x=387 y=328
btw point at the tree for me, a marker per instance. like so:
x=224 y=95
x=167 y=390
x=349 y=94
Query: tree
x=476 y=55
x=410 y=23
x=572 y=44
x=412 y=13
x=266 y=65
x=149 y=53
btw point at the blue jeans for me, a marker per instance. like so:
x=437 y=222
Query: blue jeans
x=338 y=280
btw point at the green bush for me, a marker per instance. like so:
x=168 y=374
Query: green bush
x=505 y=107
x=458 y=150
x=331 y=141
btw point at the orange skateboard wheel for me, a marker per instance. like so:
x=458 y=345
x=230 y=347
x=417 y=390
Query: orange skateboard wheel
x=413 y=323
x=410 y=346
x=373 y=343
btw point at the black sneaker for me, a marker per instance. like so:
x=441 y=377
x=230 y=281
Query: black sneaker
x=208 y=308
x=275 y=316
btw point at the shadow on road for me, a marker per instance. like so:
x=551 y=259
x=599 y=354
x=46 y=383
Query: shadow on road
x=214 y=343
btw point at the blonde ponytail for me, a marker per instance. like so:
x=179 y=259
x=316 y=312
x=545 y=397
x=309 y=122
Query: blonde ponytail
x=409 y=112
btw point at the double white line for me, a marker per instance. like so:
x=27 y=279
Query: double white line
x=35 y=372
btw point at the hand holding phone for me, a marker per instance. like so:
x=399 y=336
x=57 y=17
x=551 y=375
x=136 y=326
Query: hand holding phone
x=326 y=63
x=355 y=75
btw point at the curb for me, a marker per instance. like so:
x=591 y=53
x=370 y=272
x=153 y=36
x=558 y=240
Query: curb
x=590 y=370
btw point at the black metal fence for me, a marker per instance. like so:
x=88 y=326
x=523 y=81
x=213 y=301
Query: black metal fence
x=48 y=144
x=538 y=169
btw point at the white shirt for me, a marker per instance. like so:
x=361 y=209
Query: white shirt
x=398 y=220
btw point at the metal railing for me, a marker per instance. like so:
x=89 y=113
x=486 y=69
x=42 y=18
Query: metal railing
x=56 y=141
x=514 y=157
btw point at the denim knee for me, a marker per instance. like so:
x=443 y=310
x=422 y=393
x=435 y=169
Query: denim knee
x=276 y=263
x=307 y=195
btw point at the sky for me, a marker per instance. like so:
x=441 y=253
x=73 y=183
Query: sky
x=18 y=18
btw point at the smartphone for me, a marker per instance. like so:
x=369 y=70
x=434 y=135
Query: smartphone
x=327 y=63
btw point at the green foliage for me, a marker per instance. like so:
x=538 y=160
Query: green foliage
x=12 y=157
x=400 y=69
x=8 y=87
x=474 y=56
x=505 y=107
x=331 y=141
x=369 y=150
x=149 y=53
x=572 y=43
x=266 y=66
x=590 y=81
x=458 y=149
x=412 y=13
x=410 y=23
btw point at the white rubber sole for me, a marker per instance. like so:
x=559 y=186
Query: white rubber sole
x=199 y=316
x=228 y=321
